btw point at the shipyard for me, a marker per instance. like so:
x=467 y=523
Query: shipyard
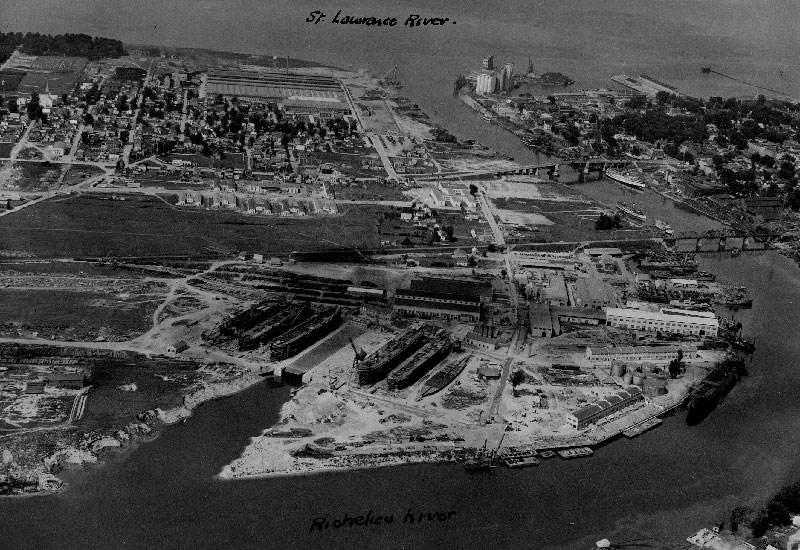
x=427 y=299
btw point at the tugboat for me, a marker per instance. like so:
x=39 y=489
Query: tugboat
x=745 y=346
x=632 y=211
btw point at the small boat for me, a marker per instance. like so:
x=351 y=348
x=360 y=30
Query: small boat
x=577 y=452
x=547 y=454
x=704 y=276
x=479 y=464
x=625 y=178
x=745 y=346
x=632 y=211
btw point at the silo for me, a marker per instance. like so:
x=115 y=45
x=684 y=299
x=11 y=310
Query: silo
x=638 y=379
x=628 y=379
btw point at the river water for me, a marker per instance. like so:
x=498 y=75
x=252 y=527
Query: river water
x=655 y=489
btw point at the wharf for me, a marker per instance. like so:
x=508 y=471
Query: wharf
x=641 y=428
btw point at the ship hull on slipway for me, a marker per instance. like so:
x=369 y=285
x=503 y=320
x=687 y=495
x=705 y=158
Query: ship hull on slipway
x=625 y=180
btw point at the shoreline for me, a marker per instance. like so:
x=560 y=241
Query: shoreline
x=155 y=419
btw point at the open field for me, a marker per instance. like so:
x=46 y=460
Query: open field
x=30 y=176
x=569 y=221
x=75 y=315
x=79 y=172
x=93 y=225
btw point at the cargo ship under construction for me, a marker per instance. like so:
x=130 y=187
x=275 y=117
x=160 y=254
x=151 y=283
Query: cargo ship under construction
x=306 y=333
x=284 y=319
x=377 y=365
x=443 y=377
x=420 y=363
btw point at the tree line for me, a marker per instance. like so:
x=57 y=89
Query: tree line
x=79 y=45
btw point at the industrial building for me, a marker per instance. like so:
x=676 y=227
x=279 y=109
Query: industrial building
x=480 y=341
x=579 y=315
x=441 y=298
x=70 y=380
x=541 y=322
x=591 y=413
x=299 y=94
x=433 y=307
x=556 y=292
x=486 y=83
x=594 y=293
x=377 y=365
x=670 y=321
x=651 y=354
x=455 y=287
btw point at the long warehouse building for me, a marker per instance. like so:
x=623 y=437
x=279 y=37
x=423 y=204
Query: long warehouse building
x=296 y=92
x=670 y=321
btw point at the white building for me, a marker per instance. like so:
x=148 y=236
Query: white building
x=509 y=71
x=486 y=83
x=673 y=321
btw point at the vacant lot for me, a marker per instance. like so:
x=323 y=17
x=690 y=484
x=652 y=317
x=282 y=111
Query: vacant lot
x=93 y=225
x=570 y=221
x=31 y=176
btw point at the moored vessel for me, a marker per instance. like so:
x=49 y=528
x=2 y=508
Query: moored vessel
x=625 y=179
x=632 y=211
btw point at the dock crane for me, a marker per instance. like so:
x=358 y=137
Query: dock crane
x=390 y=78
x=360 y=353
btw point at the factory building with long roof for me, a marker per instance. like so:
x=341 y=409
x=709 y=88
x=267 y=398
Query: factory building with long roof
x=297 y=93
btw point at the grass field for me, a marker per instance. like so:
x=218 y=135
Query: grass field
x=75 y=315
x=93 y=225
x=570 y=221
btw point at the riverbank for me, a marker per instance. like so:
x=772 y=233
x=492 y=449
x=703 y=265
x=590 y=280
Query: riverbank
x=322 y=430
x=92 y=448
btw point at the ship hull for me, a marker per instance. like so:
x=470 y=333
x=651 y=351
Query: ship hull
x=619 y=178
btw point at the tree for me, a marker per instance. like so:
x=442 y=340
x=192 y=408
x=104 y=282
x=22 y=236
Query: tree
x=473 y=189
x=675 y=367
x=606 y=222
x=517 y=377
x=741 y=515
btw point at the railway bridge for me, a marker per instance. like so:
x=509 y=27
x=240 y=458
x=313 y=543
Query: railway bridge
x=727 y=239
